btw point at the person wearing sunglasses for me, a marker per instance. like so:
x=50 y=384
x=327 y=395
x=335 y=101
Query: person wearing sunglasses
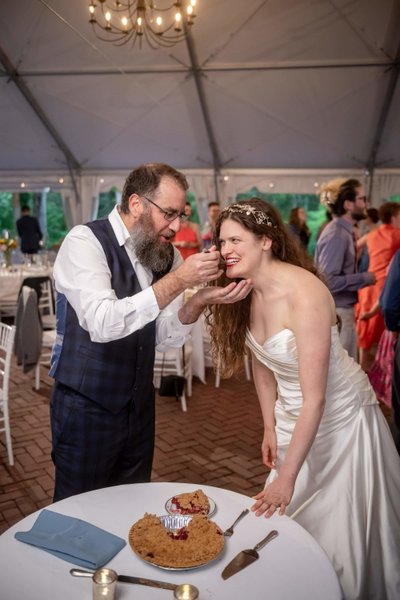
x=120 y=285
x=336 y=253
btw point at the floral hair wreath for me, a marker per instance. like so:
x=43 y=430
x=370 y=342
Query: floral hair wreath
x=246 y=209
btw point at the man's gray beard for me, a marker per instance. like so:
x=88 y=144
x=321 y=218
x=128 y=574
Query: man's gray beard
x=150 y=251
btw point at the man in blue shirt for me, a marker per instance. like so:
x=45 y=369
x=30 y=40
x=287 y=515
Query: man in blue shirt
x=336 y=254
x=390 y=305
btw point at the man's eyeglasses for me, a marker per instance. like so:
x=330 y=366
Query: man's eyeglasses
x=169 y=215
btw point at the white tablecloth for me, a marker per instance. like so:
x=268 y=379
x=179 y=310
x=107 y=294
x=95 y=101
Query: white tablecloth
x=11 y=281
x=292 y=566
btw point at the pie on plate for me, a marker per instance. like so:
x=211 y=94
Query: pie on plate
x=176 y=542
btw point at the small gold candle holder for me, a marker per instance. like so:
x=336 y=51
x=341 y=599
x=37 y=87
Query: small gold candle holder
x=104 y=584
x=186 y=592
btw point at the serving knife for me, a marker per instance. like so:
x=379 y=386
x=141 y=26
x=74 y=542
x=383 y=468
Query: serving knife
x=129 y=579
x=247 y=557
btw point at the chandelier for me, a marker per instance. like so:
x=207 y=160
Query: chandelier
x=121 y=21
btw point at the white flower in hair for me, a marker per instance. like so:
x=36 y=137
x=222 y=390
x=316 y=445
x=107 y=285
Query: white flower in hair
x=246 y=209
x=326 y=198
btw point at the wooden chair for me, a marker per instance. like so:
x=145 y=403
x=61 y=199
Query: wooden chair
x=7 y=335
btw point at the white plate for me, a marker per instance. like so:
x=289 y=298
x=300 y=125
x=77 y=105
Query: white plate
x=173 y=510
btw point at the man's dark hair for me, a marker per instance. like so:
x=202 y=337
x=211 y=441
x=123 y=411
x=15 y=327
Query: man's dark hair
x=144 y=181
x=347 y=191
x=373 y=214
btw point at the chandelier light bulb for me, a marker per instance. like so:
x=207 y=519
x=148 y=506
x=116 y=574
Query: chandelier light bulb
x=91 y=9
x=159 y=21
x=124 y=22
x=108 y=16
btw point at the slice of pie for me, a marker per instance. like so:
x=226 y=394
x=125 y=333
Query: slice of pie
x=191 y=503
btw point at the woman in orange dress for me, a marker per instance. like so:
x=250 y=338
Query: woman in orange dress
x=188 y=238
x=382 y=244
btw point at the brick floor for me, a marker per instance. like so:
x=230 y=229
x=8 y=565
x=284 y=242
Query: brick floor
x=217 y=442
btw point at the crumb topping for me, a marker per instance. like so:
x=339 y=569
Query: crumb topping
x=197 y=543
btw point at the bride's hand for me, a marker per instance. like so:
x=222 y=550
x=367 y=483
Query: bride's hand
x=275 y=497
x=268 y=448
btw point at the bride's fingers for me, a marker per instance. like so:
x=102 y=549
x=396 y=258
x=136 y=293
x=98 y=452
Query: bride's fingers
x=282 y=509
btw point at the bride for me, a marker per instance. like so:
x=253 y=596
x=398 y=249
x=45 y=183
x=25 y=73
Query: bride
x=324 y=433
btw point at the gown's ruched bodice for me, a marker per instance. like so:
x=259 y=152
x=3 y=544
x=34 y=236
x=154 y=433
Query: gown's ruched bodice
x=353 y=462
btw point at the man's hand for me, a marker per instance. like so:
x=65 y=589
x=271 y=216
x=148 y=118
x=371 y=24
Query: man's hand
x=200 y=268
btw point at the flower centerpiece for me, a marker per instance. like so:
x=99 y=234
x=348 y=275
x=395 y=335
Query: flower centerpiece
x=7 y=245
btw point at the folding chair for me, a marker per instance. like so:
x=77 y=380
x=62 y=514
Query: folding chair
x=171 y=363
x=7 y=335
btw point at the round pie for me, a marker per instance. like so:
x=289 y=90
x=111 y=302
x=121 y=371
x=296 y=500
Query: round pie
x=194 y=544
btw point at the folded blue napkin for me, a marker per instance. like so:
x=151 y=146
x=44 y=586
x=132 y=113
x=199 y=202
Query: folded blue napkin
x=73 y=540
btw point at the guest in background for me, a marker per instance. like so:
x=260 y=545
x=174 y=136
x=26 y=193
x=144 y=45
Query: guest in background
x=298 y=226
x=390 y=305
x=371 y=223
x=188 y=238
x=382 y=244
x=208 y=230
x=29 y=231
x=336 y=254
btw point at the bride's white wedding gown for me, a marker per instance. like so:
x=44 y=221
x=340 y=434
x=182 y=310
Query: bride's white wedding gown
x=353 y=461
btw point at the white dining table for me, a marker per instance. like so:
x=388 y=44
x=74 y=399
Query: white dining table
x=293 y=566
x=11 y=280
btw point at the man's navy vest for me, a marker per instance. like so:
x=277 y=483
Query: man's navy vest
x=117 y=372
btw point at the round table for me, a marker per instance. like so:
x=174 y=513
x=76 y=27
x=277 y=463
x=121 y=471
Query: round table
x=291 y=566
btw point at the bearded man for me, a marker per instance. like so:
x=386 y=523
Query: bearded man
x=120 y=285
x=336 y=253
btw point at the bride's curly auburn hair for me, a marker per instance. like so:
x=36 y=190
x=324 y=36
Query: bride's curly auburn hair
x=229 y=322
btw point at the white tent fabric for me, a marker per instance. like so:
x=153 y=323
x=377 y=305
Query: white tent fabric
x=281 y=92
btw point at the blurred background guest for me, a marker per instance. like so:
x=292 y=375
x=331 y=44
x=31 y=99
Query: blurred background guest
x=370 y=224
x=298 y=226
x=188 y=238
x=382 y=244
x=390 y=305
x=208 y=229
x=336 y=253
x=29 y=231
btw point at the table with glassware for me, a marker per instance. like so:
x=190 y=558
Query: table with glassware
x=291 y=566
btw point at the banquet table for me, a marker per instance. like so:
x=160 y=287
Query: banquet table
x=291 y=566
x=11 y=280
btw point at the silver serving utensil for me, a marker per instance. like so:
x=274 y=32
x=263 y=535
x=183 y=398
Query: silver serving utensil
x=228 y=532
x=246 y=557
x=129 y=579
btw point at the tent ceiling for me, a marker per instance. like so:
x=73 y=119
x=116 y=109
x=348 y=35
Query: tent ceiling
x=282 y=84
